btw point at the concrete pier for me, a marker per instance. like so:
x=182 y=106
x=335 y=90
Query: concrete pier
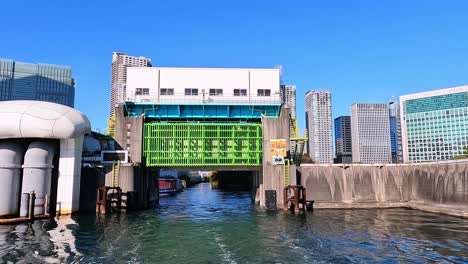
x=272 y=175
x=440 y=187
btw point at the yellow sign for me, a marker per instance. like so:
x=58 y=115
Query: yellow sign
x=278 y=151
x=278 y=143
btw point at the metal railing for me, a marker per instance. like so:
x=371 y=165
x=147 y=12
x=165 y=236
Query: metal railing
x=204 y=98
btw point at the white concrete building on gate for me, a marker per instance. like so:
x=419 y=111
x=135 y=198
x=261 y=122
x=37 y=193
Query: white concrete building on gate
x=203 y=85
x=32 y=135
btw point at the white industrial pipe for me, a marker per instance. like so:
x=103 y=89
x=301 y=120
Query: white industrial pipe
x=37 y=173
x=11 y=158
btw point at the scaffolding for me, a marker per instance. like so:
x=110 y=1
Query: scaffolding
x=297 y=142
x=111 y=125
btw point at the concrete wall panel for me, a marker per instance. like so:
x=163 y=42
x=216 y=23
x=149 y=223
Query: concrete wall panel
x=441 y=183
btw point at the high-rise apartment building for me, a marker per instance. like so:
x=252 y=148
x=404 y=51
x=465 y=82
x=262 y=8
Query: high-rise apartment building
x=395 y=131
x=434 y=124
x=42 y=82
x=288 y=98
x=120 y=63
x=370 y=131
x=343 y=146
x=319 y=126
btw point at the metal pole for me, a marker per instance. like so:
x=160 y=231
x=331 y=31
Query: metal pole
x=46 y=205
x=32 y=204
x=24 y=209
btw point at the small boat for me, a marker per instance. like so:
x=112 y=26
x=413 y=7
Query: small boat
x=169 y=185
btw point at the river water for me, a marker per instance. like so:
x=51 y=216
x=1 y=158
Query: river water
x=202 y=225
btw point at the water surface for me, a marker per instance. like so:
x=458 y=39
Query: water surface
x=210 y=226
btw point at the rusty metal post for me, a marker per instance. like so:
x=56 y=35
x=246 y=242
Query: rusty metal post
x=32 y=205
x=296 y=199
x=101 y=200
x=285 y=198
x=119 y=199
x=98 y=201
x=104 y=200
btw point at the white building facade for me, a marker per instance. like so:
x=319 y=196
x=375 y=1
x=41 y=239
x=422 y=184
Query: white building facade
x=319 y=126
x=203 y=85
x=434 y=124
x=370 y=132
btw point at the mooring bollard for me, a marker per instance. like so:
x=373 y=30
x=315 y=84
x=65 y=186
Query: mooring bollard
x=32 y=204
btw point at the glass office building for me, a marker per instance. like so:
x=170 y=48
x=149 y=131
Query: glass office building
x=434 y=124
x=395 y=131
x=343 y=146
x=42 y=82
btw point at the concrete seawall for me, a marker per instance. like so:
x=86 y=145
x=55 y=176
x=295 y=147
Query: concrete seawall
x=440 y=187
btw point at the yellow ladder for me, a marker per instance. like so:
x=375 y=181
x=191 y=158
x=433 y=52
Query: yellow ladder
x=287 y=172
x=115 y=173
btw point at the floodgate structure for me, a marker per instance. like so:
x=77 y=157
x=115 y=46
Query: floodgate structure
x=207 y=119
x=177 y=118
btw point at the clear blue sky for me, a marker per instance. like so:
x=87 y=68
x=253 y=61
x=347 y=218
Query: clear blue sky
x=363 y=51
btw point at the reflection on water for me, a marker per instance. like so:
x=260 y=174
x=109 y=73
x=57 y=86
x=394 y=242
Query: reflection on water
x=202 y=225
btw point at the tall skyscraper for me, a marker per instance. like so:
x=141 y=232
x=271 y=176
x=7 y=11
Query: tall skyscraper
x=288 y=98
x=343 y=146
x=434 y=124
x=319 y=126
x=370 y=131
x=120 y=63
x=42 y=82
x=395 y=131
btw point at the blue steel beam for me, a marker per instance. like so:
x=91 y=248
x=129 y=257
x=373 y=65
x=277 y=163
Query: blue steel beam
x=202 y=111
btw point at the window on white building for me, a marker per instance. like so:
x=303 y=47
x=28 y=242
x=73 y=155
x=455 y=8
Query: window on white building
x=167 y=91
x=240 y=92
x=216 y=92
x=191 y=91
x=263 y=92
x=142 y=91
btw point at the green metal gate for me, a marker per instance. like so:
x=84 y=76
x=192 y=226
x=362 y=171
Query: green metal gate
x=202 y=144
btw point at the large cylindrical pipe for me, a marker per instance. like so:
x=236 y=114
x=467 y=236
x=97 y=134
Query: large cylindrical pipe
x=37 y=173
x=11 y=158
